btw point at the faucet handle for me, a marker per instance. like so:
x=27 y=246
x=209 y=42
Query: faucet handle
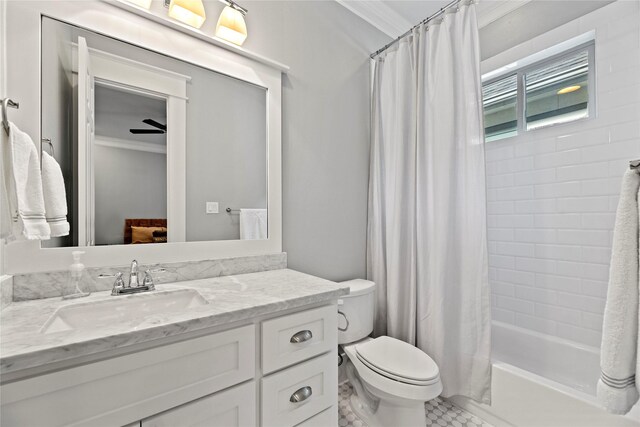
x=148 y=280
x=119 y=280
x=117 y=284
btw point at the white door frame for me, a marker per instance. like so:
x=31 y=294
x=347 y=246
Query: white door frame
x=86 y=136
x=117 y=71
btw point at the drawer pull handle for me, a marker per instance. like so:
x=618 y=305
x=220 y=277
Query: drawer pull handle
x=301 y=395
x=301 y=336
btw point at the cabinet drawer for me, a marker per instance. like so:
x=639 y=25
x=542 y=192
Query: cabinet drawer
x=235 y=407
x=127 y=388
x=314 y=382
x=297 y=337
x=326 y=418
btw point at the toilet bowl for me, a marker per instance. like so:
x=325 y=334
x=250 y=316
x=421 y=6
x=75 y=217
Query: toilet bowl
x=391 y=379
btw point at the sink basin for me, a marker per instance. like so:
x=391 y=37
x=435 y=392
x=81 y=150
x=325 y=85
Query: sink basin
x=131 y=310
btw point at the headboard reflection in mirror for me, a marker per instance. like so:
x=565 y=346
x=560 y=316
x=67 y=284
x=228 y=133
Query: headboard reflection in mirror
x=153 y=148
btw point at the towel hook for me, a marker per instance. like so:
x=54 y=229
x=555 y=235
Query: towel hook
x=50 y=144
x=6 y=103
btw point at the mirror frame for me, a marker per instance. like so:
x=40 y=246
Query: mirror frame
x=23 y=46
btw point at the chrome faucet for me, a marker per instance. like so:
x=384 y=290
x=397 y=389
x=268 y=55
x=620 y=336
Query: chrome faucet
x=134 y=286
x=133 y=275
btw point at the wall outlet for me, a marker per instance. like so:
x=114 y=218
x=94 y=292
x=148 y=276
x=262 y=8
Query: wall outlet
x=212 y=208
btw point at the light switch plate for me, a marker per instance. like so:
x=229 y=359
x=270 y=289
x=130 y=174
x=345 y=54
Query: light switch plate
x=212 y=207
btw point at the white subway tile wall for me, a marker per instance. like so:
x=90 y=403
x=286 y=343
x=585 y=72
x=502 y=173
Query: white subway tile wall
x=552 y=193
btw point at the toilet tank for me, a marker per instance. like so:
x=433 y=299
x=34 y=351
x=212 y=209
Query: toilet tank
x=356 y=311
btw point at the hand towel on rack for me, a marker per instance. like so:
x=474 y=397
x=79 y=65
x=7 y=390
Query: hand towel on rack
x=6 y=220
x=55 y=196
x=23 y=183
x=253 y=224
x=617 y=390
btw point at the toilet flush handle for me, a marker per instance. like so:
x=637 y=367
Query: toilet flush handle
x=341 y=303
x=346 y=320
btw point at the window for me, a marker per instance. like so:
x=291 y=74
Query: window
x=554 y=90
x=500 y=108
x=558 y=92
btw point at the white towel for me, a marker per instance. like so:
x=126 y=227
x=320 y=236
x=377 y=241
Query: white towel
x=617 y=390
x=55 y=196
x=23 y=184
x=6 y=223
x=253 y=224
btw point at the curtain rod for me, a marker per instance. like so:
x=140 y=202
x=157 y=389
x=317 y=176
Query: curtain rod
x=424 y=21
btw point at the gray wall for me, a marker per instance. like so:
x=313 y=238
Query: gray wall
x=326 y=98
x=226 y=153
x=129 y=184
x=531 y=20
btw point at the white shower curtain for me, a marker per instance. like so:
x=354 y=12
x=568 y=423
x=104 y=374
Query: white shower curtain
x=427 y=244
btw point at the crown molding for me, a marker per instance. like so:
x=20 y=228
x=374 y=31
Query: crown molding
x=489 y=11
x=379 y=15
x=390 y=22
x=130 y=144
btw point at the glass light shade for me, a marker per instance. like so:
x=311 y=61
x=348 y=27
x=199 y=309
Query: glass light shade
x=569 y=89
x=191 y=12
x=142 y=3
x=231 y=26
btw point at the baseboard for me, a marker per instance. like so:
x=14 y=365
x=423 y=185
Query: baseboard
x=479 y=410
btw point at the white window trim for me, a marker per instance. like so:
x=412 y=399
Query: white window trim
x=547 y=56
x=539 y=56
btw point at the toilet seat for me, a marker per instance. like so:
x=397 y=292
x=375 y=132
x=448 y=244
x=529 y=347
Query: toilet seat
x=397 y=378
x=384 y=385
x=398 y=361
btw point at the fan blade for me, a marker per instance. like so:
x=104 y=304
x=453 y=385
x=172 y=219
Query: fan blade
x=155 y=124
x=149 y=131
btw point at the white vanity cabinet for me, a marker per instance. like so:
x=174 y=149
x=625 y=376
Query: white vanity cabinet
x=229 y=408
x=287 y=341
x=311 y=382
x=276 y=371
x=127 y=388
x=290 y=339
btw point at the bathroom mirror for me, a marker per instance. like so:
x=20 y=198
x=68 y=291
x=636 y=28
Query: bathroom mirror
x=112 y=33
x=153 y=148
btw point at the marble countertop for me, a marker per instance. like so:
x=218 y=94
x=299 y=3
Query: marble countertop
x=230 y=299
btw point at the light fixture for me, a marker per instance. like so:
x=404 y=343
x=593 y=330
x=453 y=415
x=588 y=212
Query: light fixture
x=569 y=89
x=142 y=3
x=191 y=12
x=231 y=26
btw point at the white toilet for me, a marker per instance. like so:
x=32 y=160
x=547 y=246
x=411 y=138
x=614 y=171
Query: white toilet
x=392 y=379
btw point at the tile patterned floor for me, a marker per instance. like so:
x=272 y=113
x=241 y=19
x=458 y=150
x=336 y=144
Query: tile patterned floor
x=439 y=413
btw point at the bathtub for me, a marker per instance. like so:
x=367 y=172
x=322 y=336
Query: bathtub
x=543 y=381
x=566 y=362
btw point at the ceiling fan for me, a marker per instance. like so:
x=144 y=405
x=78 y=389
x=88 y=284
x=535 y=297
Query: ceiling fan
x=160 y=128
